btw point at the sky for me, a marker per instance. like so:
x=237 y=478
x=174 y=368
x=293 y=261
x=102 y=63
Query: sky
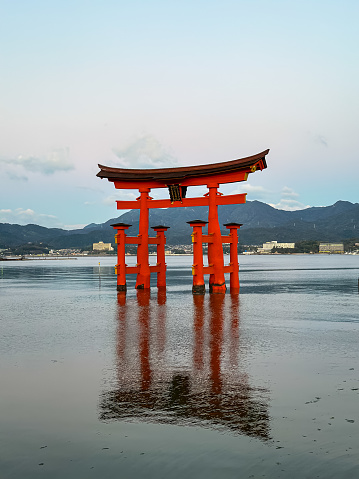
x=156 y=83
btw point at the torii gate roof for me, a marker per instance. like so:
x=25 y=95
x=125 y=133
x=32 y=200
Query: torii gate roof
x=199 y=174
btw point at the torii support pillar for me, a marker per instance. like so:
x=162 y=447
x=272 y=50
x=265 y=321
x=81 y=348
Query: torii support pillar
x=161 y=258
x=197 y=267
x=216 y=261
x=233 y=256
x=120 y=268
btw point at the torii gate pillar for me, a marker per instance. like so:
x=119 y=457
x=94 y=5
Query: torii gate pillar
x=197 y=267
x=120 y=267
x=215 y=249
x=144 y=276
x=233 y=256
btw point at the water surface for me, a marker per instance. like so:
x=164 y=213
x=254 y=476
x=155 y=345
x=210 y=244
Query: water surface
x=264 y=384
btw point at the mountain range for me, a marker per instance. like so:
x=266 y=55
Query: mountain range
x=261 y=223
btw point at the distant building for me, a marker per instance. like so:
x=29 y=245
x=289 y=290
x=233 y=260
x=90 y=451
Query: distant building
x=101 y=246
x=269 y=245
x=333 y=248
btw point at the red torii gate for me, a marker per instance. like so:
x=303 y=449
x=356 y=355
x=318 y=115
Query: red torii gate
x=177 y=180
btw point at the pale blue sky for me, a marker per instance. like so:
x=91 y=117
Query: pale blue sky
x=146 y=83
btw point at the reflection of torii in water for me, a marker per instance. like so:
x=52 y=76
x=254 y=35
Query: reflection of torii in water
x=201 y=395
x=177 y=180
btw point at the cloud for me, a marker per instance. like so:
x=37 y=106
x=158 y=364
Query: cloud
x=75 y=227
x=318 y=138
x=289 y=205
x=288 y=197
x=23 y=216
x=288 y=201
x=321 y=140
x=111 y=200
x=289 y=192
x=254 y=192
x=15 y=176
x=145 y=152
x=89 y=188
x=56 y=160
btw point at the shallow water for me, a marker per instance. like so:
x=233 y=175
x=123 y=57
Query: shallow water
x=264 y=384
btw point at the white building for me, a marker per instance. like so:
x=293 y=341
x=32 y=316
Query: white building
x=101 y=246
x=332 y=248
x=269 y=245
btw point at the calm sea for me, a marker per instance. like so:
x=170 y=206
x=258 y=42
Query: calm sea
x=168 y=385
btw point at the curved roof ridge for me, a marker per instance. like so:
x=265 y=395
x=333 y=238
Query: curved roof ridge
x=222 y=164
x=181 y=172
